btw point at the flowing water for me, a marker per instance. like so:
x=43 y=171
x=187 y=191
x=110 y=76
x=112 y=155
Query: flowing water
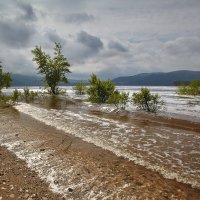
x=174 y=153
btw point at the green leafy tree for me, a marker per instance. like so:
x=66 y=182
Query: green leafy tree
x=100 y=91
x=54 y=69
x=118 y=99
x=5 y=78
x=144 y=100
x=192 y=89
x=80 y=88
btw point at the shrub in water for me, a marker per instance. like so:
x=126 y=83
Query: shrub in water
x=118 y=99
x=80 y=88
x=192 y=89
x=100 y=91
x=144 y=100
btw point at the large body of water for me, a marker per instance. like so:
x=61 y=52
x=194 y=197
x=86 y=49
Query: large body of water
x=175 y=153
x=180 y=106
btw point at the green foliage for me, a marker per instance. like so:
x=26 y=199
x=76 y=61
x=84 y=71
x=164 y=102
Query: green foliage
x=192 y=89
x=120 y=100
x=80 y=88
x=54 y=69
x=15 y=96
x=4 y=98
x=5 y=78
x=29 y=96
x=5 y=81
x=144 y=100
x=100 y=91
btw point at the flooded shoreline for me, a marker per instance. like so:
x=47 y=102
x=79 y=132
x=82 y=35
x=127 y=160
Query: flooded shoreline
x=164 y=149
x=77 y=169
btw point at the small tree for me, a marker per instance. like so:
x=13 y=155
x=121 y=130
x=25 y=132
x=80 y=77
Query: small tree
x=192 y=89
x=54 y=69
x=5 y=78
x=100 y=91
x=144 y=100
x=80 y=88
x=120 y=100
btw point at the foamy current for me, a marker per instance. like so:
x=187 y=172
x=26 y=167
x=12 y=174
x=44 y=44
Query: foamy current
x=171 y=152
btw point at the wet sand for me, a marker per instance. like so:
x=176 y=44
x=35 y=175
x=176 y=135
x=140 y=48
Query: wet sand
x=86 y=171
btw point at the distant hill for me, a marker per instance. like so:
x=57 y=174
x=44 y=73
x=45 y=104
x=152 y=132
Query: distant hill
x=158 y=79
x=24 y=80
x=145 y=79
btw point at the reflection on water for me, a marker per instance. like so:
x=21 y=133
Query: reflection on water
x=55 y=102
x=172 y=152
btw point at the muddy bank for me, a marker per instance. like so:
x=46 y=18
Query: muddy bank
x=79 y=170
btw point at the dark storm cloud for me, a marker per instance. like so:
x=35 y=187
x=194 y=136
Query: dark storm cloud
x=117 y=46
x=28 y=12
x=90 y=41
x=15 y=34
x=78 y=18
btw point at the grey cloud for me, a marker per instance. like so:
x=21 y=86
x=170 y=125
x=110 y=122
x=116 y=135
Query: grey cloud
x=78 y=18
x=156 y=31
x=28 y=12
x=15 y=34
x=117 y=46
x=90 y=41
x=17 y=61
x=54 y=37
x=183 y=45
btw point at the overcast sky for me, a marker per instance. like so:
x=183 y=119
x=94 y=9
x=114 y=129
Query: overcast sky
x=108 y=37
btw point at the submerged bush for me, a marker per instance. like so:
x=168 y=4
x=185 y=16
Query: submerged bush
x=146 y=101
x=118 y=99
x=29 y=96
x=80 y=88
x=15 y=97
x=192 y=89
x=100 y=91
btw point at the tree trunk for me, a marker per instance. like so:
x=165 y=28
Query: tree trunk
x=147 y=105
x=53 y=89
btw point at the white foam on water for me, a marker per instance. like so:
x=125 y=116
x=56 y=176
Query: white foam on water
x=58 y=174
x=110 y=134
